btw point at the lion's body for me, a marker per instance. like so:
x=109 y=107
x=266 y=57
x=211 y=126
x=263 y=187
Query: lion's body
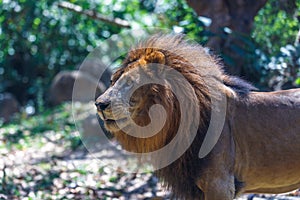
x=267 y=140
x=259 y=146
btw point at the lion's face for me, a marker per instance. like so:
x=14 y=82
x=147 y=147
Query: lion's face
x=128 y=100
x=115 y=109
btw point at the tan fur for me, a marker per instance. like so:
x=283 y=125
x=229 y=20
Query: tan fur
x=259 y=148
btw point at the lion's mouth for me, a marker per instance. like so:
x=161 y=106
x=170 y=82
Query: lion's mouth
x=115 y=121
x=110 y=121
x=107 y=118
x=113 y=124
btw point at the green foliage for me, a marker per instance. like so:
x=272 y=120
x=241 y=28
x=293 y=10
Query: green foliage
x=38 y=40
x=274 y=28
x=179 y=17
x=282 y=71
x=297 y=81
x=23 y=131
x=275 y=31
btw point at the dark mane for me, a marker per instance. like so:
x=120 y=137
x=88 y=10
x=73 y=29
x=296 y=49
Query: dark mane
x=207 y=64
x=240 y=86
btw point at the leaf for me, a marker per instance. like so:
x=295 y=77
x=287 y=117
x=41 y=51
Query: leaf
x=297 y=81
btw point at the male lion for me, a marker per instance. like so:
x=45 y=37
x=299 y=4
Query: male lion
x=258 y=150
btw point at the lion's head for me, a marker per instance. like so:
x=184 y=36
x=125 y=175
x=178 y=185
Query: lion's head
x=129 y=99
x=124 y=110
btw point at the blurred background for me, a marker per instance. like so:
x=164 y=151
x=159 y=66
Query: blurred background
x=43 y=43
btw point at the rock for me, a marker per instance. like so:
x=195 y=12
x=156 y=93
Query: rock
x=86 y=87
x=97 y=69
x=8 y=107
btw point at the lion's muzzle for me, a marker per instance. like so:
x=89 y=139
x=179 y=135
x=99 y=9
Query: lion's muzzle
x=106 y=113
x=102 y=104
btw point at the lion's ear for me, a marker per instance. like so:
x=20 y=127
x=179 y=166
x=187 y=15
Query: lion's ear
x=156 y=57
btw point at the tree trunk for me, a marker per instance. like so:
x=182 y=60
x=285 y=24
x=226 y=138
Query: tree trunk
x=238 y=16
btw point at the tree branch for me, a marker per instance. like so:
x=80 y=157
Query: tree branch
x=92 y=14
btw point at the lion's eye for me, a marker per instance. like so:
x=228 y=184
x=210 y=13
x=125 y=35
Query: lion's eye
x=129 y=82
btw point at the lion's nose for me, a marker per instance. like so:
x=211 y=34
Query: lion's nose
x=102 y=105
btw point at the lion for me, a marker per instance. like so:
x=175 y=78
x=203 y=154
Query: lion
x=258 y=149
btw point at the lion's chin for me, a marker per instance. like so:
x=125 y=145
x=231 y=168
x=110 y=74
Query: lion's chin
x=113 y=125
